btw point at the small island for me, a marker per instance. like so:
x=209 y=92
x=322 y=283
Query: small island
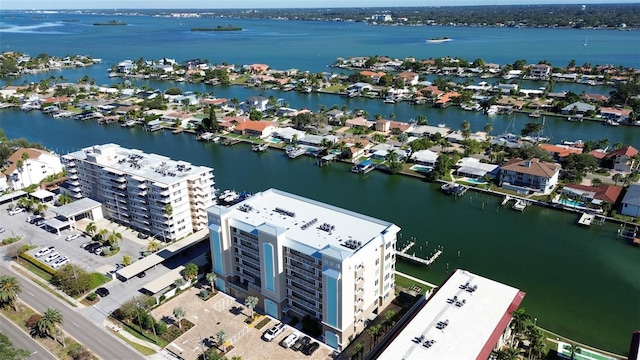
x=110 y=23
x=438 y=40
x=218 y=28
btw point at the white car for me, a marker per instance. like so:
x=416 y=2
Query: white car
x=1 y=229
x=45 y=251
x=273 y=332
x=72 y=237
x=54 y=255
x=290 y=340
x=60 y=262
x=16 y=210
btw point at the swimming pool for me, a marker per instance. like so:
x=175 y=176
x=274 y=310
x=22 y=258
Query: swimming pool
x=274 y=140
x=474 y=181
x=421 y=168
x=570 y=202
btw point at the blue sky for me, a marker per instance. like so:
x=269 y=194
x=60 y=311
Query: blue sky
x=234 y=4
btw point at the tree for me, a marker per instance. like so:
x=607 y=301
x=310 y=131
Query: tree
x=103 y=234
x=114 y=238
x=531 y=128
x=40 y=208
x=126 y=260
x=211 y=278
x=488 y=128
x=8 y=352
x=64 y=199
x=153 y=246
x=617 y=177
x=91 y=228
x=222 y=338
x=179 y=314
x=190 y=271
x=251 y=302
x=10 y=288
x=519 y=323
x=72 y=280
x=179 y=282
x=49 y=322
x=573 y=350
x=596 y=182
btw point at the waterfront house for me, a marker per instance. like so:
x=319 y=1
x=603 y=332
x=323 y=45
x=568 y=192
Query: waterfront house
x=255 y=103
x=615 y=114
x=316 y=140
x=526 y=176
x=28 y=166
x=334 y=116
x=126 y=66
x=409 y=78
x=594 y=195
x=445 y=100
x=396 y=127
x=631 y=201
x=425 y=157
x=507 y=88
x=622 y=159
x=598 y=98
x=359 y=121
x=472 y=168
x=560 y=151
x=154 y=125
x=577 y=107
x=540 y=71
x=258 y=68
x=288 y=134
x=257 y=129
x=427 y=130
x=356 y=147
x=177 y=118
x=381 y=152
x=359 y=87
x=457 y=137
x=373 y=75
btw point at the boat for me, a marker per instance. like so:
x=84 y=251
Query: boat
x=491 y=110
x=363 y=167
x=535 y=114
x=128 y=123
x=575 y=118
x=442 y=125
x=27 y=107
x=520 y=205
x=294 y=152
x=389 y=100
x=206 y=136
x=438 y=40
x=453 y=189
x=612 y=122
x=260 y=147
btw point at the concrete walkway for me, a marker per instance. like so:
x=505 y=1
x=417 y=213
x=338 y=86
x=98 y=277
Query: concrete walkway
x=417 y=280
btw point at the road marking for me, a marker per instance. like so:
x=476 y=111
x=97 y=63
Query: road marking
x=30 y=293
x=75 y=324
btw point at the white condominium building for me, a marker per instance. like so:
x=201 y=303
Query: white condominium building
x=302 y=258
x=151 y=193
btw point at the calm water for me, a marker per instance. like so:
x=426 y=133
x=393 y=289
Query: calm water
x=582 y=283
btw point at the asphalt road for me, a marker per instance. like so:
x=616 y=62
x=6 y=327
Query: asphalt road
x=87 y=333
x=21 y=340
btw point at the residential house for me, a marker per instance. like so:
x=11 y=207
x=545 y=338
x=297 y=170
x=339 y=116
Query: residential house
x=382 y=151
x=533 y=175
x=359 y=121
x=28 y=166
x=615 y=114
x=258 y=68
x=577 y=107
x=396 y=127
x=424 y=157
x=334 y=116
x=373 y=75
x=426 y=130
x=594 y=195
x=540 y=71
x=599 y=98
x=356 y=147
x=507 y=88
x=472 y=168
x=623 y=159
x=409 y=78
x=359 y=87
x=631 y=201
x=126 y=66
x=446 y=98
x=560 y=151
x=257 y=129
x=180 y=118
x=255 y=103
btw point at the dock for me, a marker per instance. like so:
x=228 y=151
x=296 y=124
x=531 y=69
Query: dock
x=506 y=200
x=327 y=159
x=228 y=141
x=414 y=258
x=586 y=219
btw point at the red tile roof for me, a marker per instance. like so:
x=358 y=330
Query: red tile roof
x=628 y=151
x=560 y=150
x=606 y=193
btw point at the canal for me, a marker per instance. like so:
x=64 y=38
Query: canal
x=580 y=282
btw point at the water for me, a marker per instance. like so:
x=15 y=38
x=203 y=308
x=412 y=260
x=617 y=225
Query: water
x=580 y=282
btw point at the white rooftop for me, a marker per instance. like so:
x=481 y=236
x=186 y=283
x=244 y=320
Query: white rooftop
x=146 y=166
x=473 y=327
x=310 y=226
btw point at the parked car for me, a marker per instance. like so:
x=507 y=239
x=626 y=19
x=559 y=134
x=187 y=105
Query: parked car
x=142 y=274
x=72 y=237
x=54 y=255
x=39 y=222
x=44 y=251
x=102 y=292
x=301 y=343
x=310 y=348
x=2 y=229
x=273 y=332
x=58 y=263
x=16 y=210
x=143 y=236
x=93 y=246
x=290 y=340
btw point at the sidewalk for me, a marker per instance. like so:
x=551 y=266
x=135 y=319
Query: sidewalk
x=417 y=280
x=117 y=329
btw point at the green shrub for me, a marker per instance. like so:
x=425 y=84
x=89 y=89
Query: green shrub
x=262 y=323
x=10 y=240
x=92 y=296
x=204 y=294
x=35 y=262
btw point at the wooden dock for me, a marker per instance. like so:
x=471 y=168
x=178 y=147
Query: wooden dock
x=414 y=258
x=228 y=141
x=520 y=205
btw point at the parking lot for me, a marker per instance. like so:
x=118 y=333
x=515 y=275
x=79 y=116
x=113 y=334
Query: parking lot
x=215 y=314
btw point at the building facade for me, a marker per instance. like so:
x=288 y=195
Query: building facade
x=305 y=259
x=28 y=166
x=532 y=175
x=164 y=198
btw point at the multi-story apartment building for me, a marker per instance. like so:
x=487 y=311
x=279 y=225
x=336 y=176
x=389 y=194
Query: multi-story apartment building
x=300 y=258
x=28 y=166
x=148 y=192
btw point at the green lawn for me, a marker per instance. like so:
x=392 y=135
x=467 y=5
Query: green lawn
x=140 y=348
x=98 y=279
x=406 y=283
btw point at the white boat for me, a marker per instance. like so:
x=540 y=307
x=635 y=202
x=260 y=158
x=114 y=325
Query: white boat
x=389 y=101
x=128 y=123
x=438 y=40
x=491 y=110
x=535 y=114
x=575 y=118
x=294 y=152
x=27 y=107
x=259 y=147
x=612 y=122
x=586 y=219
x=442 y=125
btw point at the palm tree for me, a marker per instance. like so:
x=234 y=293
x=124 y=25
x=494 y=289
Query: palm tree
x=179 y=313
x=104 y=234
x=211 y=278
x=251 y=302
x=573 y=350
x=190 y=271
x=41 y=208
x=91 y=228
x=126 y=260
x=222 y=338
x=153 y=246
x=488 y=128
x=64 y=199
x=617 y=177
x=596 y=182
x=9 y=290
x=519 y=323
x=168 y=209
x=114 y=237
x=49 y=322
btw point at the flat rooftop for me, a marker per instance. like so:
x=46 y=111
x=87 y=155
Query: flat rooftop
x=146 y=166
x=310 y=225
x=475 y=320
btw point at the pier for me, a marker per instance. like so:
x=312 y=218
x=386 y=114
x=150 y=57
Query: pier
x=586 y=219
x=419 y=260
